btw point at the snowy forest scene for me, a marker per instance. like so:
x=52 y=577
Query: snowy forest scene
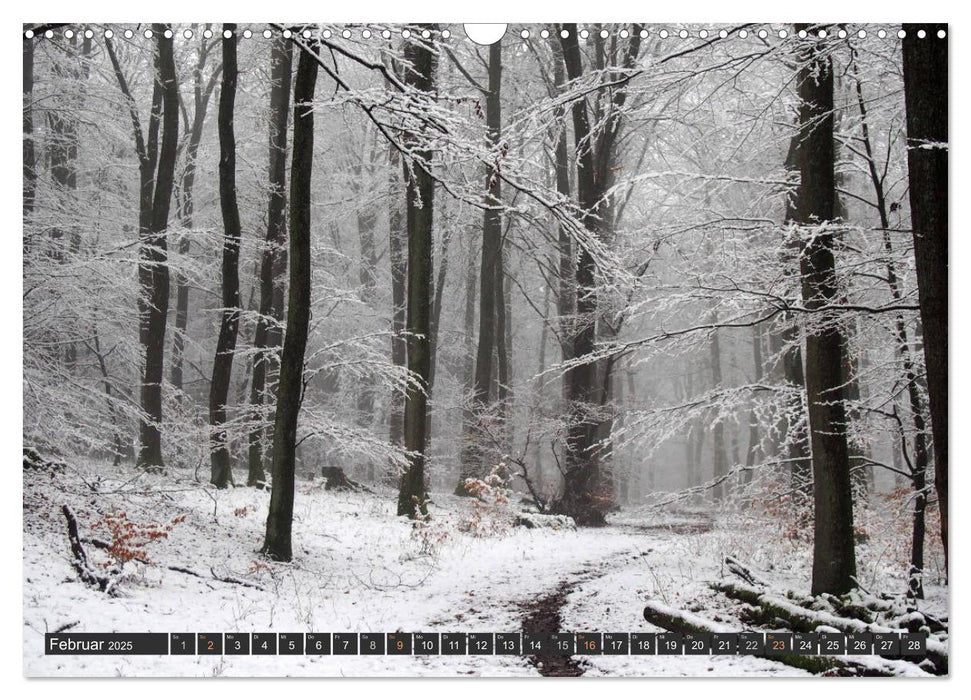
x=590 y=332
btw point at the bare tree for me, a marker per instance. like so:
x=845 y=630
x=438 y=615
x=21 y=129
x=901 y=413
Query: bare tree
x=398 y=259
x=587 y=494
x=925 y=89
x=834 y=556
x=202 y=90
x=918 y=465
x=785 y=343
x=279 y=521
x=420 y=195
x=156 y=178
x=273 y=262
x=490 y=338
x=222 y=366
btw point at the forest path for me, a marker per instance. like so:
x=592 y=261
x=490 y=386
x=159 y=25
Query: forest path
x=606 y=590
x=544 y=615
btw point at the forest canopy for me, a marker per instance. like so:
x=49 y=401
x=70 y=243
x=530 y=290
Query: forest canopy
x=604 y=266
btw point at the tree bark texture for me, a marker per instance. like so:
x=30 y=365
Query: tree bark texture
x=279 y=522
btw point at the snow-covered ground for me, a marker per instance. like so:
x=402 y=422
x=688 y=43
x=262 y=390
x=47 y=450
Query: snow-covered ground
x=357 y=567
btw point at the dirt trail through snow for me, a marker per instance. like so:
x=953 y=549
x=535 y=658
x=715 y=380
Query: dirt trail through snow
x=543 y=615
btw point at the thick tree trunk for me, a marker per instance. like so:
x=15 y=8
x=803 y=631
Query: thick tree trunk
x=566 y=296
x=420 y=207
x=153 y=270
x=582 y=498
x=925 y=89
x=222 y=365
x=834 y=558
x=273 y=262
x=476 y=453
x=674 y=620
x=279 y=521
x=399 y=312
x=918 y=467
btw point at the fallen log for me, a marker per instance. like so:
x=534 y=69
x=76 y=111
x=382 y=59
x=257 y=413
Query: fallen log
x=769 y=608
x=683 y=622
x=859 y=604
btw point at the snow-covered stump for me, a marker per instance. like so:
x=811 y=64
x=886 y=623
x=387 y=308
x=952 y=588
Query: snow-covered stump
x=540 y=520
x=337 y=480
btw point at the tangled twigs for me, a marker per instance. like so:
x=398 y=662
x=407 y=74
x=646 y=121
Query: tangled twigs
x=223 y=579
x=66 y=626
x=79 y=558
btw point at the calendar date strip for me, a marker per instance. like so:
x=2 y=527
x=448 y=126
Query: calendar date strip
x=891 y=644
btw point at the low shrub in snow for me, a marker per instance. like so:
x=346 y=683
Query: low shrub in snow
x=129 y=541
x=430 y=534
x=491 y=513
